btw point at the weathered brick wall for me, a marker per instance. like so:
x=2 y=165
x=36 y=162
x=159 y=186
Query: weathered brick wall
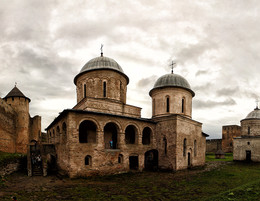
x=7 y=127
x=212 y=145
x=228 y=133
x=190 y=130
x=104 y=161
x=116 y=85
x=175 y=98
x=109 y=106
x=241 y=145
x=35 y=128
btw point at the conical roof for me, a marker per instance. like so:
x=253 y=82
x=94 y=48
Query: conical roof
x=15 y=92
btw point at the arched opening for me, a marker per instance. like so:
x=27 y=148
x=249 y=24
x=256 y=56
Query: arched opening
x=167 y=104
x=151 y=160
x=248 y=130
x=120 y=158
x=130 y=134
x=87 y=132
x=184 y=147
x=183 y=105
x=64 y=132
x=110 y=136
x=195 y=147
x=104 y=89
x=189 y=160
x=53 y=136
x=133 y=162
x=58 y=134
x=88 y=160
x=146 y=139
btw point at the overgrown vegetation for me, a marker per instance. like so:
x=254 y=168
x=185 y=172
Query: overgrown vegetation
x=211 y=157
x=232 y=181
x=9 y=157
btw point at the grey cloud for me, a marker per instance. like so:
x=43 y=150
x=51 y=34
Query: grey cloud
x=148 y=81
x=228 y=91
x=198 y=104
x=201 y=72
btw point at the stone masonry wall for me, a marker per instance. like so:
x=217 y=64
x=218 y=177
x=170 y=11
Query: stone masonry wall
x=228 y=133
x=7 y=127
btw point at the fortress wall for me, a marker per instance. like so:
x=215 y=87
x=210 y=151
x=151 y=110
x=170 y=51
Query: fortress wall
x=7 y=127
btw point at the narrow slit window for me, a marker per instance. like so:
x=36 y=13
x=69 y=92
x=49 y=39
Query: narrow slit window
x=167 y=104
x=248 y=130
x=182 y=105
x=85 y=91
x=104 y=89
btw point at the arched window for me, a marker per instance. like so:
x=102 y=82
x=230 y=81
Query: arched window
x=88 y=160
x=248 y=130
x=87 y=132
x=120 y=158
x=167 y=104
x=184 y=146
x=85 y=90
x=130 y=134
x=146 y=138
x=64 y=132
x=104 y=89
x=183 y=105
x=195 y=148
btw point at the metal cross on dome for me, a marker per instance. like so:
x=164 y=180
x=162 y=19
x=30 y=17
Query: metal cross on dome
x=173 y=65
x=257 y=102
x=101 y=48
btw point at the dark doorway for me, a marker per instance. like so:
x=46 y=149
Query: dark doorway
x=133 y=162
x=110 y=136
x=151 y=160
x=189 y=160
x=248 y=155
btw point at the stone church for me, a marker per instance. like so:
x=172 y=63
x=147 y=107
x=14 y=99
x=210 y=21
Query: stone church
x=17 y=128
x=247 y=146
x=102 y=134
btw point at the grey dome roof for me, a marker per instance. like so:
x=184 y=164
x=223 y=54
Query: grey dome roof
x=172 y=80
x=255 y=114
x=99 y=63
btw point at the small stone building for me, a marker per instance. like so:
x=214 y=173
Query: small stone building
x=102 y=134
x=229 y=132
x=247 y=146
x=17 y=128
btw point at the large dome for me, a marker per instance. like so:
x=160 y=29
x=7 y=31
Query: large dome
x=173 y=80
x=255 y=114
x=99 y=63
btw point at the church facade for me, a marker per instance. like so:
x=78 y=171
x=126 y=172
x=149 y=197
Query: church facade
x=102 y=134
x=247 y=146
x=17 y=128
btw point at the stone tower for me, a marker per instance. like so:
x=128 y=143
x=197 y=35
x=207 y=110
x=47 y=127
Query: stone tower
x=20 y=103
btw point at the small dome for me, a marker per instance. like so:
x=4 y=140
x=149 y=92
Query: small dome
x=255 y=114
x=99 y=63
x=172 y=80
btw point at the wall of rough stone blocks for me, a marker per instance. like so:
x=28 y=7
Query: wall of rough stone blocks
x=241 y=145
x=7 y=127
x=229 y=132
x=212 y=145
x=116 y=85
x=191 y=131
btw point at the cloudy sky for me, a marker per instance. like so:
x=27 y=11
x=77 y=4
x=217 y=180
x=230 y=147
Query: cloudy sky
x=216 y=44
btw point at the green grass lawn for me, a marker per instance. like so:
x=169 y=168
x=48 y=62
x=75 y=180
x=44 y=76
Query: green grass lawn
x=232 y=181
x=211 y=157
